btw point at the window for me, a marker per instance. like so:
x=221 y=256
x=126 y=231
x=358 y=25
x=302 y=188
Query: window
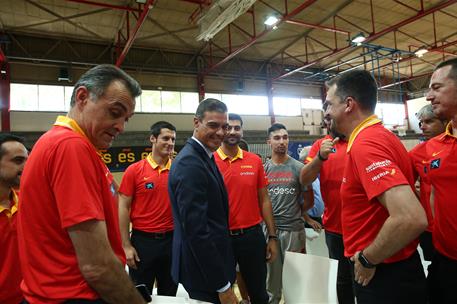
x=150 y=101
x=287 y=106
x=171 y=102
x=189 y=102
x=24 y=97
x=51 y=98
x=311 y=103
x=391 y=113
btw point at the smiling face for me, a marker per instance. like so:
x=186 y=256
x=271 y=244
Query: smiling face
x=12 y=163
x=234 y=133
x=334 y=110
x=164 y=144
x=211 y=129
x=443 y=93
x=103 y=118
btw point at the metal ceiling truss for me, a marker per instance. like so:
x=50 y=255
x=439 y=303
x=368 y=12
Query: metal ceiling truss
x=340 y=51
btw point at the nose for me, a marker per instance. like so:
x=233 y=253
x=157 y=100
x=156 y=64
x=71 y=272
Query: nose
x=429 y=96
x=221 y=132
x=120 y=126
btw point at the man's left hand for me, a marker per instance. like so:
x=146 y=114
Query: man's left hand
x=362 y=275
x=272 y=250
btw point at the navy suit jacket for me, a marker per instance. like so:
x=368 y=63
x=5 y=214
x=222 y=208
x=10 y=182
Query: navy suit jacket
x=202 y=253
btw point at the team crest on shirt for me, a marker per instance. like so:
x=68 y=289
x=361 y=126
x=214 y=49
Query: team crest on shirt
x=333 y=150
x=149 y=186
x=435 y=164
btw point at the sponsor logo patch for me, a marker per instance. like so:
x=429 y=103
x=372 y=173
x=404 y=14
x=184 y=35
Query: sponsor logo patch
x=377 y=165
x=149 y=186
x=435 y=164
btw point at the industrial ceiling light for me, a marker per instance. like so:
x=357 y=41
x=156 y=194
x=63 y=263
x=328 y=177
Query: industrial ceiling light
x=141 y=1
x=420 y=52
x=358 y=39
x=271 y=20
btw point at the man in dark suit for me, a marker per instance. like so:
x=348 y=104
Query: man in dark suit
x=202 y=255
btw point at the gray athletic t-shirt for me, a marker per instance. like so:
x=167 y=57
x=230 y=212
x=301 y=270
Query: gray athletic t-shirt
x=285 y=193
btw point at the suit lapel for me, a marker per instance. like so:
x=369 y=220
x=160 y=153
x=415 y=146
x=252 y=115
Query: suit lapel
x=211 y=164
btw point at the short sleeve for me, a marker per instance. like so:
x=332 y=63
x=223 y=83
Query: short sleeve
x=262 y=180
x=77 y=181
x=376 y=168
x=313 y=151
x=127 y=186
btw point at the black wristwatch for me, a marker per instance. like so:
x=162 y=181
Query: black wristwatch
x=320 y=156
x=364 y=261
x=272 y=237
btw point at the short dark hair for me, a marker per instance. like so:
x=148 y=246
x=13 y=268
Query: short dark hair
x=453 y=72
x=275 y=127
x=97 y=79
x=158 y=126
x=6 y=137
x=210 y=105
x=358 y=84
x=233 y=116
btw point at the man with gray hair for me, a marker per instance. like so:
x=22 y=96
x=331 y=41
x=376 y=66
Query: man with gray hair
x=431 y=126
x=442 y=165
x=68 y=229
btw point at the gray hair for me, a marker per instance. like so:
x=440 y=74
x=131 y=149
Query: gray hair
x=97 y=79
x=425 y=111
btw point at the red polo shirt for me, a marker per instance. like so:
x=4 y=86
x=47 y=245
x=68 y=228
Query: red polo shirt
x=147 y=184
x=376 y=161
x=442 y=153
x=64 y=183
x=420 y=164
x=330 y=178
x=10 y=274
x=243 y=177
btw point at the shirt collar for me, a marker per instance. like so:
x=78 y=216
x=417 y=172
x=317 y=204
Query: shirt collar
x=223 y=156
x=14 y=207
x=154 y=165
x=67 y=122
x=369 y=121
x=448 y=131
x=208 y=151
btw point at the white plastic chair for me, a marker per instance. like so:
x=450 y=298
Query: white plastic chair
x=309 y=279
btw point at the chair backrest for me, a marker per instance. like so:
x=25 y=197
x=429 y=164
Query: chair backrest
x=309 y=279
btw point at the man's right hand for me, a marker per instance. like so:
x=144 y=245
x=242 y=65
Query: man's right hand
x=131 y=255
x=327 y=147
x=228 y=297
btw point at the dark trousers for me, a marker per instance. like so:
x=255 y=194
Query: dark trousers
x=425 y=240
x=401 y=282
x=155 y=262
x=442 y=280
x=344 y=287
x=249 y=250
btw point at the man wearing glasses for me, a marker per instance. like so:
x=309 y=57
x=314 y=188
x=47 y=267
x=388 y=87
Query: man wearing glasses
x=202 y=254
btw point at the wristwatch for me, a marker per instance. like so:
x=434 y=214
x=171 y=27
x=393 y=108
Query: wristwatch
x=272 y=237
x=364 y=261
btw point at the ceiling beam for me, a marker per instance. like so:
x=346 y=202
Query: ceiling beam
x=373 y=36
x=258 y=36
x=134 y=33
